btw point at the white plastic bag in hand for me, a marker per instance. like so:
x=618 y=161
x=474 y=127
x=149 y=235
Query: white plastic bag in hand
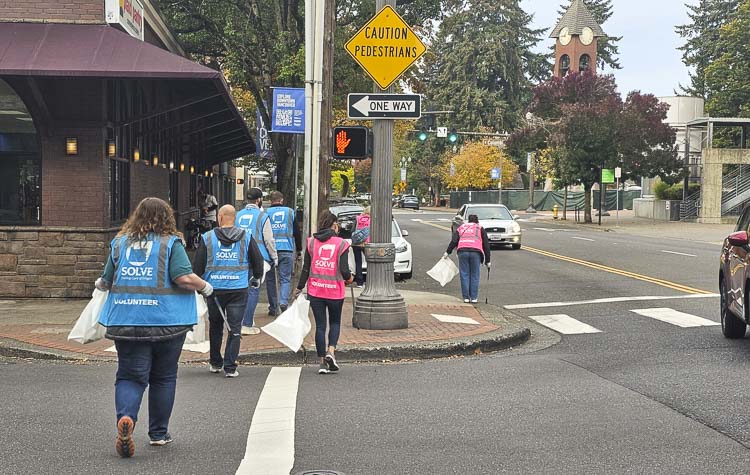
x=266 y=268
x=87 y=328
x=291 y=327
x=444 y=271
x=198 y=333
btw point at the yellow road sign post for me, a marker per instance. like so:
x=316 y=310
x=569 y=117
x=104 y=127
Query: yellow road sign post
x=385 y=47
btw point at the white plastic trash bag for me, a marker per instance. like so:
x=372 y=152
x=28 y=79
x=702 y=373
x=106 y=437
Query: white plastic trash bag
x=266 y=268
x=291 y=327
x=87 y=328
x=198 y=334
x=444 y=271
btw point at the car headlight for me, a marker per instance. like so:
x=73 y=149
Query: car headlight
x=516 y=228
x=401 y=247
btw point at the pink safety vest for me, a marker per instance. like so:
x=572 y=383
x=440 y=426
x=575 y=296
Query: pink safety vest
x=363 y=221
x=470 y=237
x=325 y=280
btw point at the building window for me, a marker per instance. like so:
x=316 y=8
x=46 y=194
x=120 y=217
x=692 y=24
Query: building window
x=564 y=65
x=119 y=192
x=20 y=162
x=174 y=189
x=584 y=63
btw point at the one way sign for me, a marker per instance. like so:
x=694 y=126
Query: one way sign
x=384 y=106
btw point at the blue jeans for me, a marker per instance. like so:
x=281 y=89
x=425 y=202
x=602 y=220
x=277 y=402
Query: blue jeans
x=233 y=304
x=286 y=266
x=253 y=295
x=321 y=307
x=469 y=265
x=359 y=276
x=152 y=364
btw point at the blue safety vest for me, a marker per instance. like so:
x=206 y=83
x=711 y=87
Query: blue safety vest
x=143 y=294
x=226 y=266
x=282 y=223
x=252 y=221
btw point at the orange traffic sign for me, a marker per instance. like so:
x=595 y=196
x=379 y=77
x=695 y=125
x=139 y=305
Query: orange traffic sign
x=385 y=47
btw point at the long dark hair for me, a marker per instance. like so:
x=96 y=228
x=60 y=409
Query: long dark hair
x=326 y=220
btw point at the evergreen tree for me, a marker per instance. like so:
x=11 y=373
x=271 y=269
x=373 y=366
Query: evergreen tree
x=481 y=63
x=607 y=49
x=727 y=78
x=701 y=35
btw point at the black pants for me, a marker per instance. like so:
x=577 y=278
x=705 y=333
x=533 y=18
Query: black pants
x=319 y=307
x=233 y=304
x=359 y=276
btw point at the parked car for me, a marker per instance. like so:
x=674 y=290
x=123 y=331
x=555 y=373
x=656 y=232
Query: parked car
x=500 y=224
x=409 y=201
x=734 y=272
x=347 y=215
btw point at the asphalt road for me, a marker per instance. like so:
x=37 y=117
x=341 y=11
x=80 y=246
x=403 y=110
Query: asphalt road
x=638 y=395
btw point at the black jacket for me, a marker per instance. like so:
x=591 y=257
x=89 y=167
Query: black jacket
x=344 y=270
x=228 y=236
x=485 y=245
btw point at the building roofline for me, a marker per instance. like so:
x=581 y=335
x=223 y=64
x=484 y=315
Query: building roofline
x=155 y=20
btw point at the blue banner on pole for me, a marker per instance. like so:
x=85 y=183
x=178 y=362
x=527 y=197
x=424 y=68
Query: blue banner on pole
x=288 y=114
x=263 y=139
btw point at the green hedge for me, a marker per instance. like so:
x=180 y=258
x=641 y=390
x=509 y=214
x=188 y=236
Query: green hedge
x=665 y=191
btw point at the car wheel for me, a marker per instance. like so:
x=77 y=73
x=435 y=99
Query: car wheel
x=405 y=275
x=731 y=326
x=516 y=246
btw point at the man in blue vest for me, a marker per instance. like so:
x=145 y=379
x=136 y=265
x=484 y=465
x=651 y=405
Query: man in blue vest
x=256 y=223
x=224 y=259
x=287 y=235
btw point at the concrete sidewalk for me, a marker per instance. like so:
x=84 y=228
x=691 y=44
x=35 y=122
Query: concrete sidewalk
x=39 y=329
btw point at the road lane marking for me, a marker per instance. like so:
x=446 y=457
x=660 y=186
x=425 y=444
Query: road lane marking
x=546 y=229
x=454 y=319
x=582 y=238
x=612 y=270
x=416 y=220
x=436 y=226
x=445 y=219
x=564 y=324
x=680 y=253
x=608 y=300
x=270 y=441
x=668 y=315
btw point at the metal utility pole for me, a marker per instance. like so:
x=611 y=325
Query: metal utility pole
x=530 y=162
x=380 y=306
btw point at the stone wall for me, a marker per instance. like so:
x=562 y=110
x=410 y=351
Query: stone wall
x=49 y=262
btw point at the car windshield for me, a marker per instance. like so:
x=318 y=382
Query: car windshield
x=489 y=212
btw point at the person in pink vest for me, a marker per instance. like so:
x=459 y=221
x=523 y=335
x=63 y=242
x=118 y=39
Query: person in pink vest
x=326 y=273
x=473 y=249
x=363 y=222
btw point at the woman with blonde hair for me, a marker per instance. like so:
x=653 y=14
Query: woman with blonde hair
x=150 y=308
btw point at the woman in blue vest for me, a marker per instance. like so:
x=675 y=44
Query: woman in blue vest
x=150 y=308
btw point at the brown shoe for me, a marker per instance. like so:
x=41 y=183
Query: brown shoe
x=125 y=446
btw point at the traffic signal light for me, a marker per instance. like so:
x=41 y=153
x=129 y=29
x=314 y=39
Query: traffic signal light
x=422 y=136
x=453 y=136
x=350 y=143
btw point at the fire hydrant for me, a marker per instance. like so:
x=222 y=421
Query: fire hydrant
x=554 y=211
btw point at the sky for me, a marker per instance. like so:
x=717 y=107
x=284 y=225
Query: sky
x=649 y=57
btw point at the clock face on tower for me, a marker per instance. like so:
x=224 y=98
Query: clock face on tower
x=587 y=36
x=565 y=36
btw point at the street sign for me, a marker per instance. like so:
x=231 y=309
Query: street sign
x=608 y=175
x=384 y=106
x=495 y=174
x=618 y=172
x=350 y=142
x=403 y=174
x=442 y=132
x=385 y=47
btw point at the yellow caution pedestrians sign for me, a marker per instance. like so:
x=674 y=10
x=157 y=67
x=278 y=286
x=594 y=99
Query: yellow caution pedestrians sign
x=385 y=47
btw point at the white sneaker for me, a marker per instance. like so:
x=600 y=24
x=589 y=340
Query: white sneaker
x=250 y=330
x=466 y=300
x=214 y=369
x=473 y=300
x=233 y=374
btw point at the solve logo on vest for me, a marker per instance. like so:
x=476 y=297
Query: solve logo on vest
x=325 y=253
x=278 y=221
x=136 y=256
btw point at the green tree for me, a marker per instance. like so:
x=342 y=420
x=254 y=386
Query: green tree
x=702 y=43
x=481 y=63
x=590 y=126
x=727 y=79
x=607 y=48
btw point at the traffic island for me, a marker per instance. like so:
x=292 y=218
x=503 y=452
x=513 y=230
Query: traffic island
x=439 y=326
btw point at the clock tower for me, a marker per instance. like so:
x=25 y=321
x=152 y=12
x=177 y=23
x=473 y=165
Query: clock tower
x=576 y=37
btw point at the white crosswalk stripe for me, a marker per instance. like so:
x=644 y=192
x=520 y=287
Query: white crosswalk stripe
x=680 y=319
x=564 y=324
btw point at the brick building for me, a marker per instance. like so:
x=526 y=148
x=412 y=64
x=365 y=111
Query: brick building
x=99 y=108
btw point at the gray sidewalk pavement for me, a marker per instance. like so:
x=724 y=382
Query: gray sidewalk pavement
x=38 y=329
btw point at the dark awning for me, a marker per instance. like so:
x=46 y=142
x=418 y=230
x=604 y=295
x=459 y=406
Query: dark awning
x=64 y=50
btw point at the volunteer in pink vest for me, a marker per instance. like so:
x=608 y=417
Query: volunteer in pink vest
x=326 y=273
x=473 y=249
x=363 y=221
